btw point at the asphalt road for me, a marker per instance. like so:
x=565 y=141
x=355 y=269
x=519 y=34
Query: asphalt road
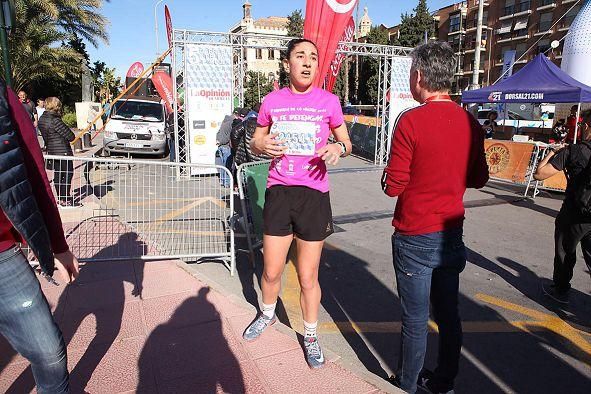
x=515 y=339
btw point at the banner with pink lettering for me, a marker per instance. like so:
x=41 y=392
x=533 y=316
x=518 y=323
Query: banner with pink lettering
x=335 y=65
x=324 y=24
x=163 y=84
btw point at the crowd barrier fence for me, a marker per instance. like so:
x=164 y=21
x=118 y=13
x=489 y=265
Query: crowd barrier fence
x=252 y=183
x=116 y=209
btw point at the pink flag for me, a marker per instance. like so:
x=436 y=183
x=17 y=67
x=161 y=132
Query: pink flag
x=163 y=85
x=324 y=24
x=335 y=65
x=135 y=70
x=168 y=25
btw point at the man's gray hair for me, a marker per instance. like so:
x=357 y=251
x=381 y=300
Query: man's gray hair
x=436 y=62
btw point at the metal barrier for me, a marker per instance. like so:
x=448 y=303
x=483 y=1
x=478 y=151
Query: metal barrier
x=142 y=209
x=252 y=183
x=555 y=183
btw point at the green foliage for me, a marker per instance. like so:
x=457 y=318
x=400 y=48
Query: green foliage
x=69 y=119
x=369 y=70
x=256 y=87
x=413 y=26
x=106 y=85
x=41 y=26
x=295 y=24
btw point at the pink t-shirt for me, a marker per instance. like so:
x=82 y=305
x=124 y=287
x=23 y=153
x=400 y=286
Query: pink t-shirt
x=304 y=122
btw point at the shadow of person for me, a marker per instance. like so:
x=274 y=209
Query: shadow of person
x=90 y=311
x=194 y=358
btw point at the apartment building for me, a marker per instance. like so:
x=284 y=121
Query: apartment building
x=526 y=26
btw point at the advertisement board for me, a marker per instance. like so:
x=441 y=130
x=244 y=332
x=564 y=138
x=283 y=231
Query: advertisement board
x=208 y=99
x=400 y=95
x=508 y=160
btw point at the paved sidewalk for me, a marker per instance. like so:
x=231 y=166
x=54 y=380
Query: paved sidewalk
x=152 y=327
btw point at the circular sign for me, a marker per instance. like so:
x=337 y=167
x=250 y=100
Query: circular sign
x=199 y=140
x=554 y=44
x=522 y=107
x=497 y=158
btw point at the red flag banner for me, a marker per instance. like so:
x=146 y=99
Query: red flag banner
x=168 y=20
x=163 y=84
x=335 y=65
x=135 y=70
x=324 y=24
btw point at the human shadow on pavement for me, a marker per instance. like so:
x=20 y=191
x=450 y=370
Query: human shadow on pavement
x=100 y=292
x=528 y=283
x=520 y=201
x=185 y=356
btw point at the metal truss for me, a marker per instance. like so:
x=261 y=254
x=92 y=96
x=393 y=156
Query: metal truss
x=240 y=42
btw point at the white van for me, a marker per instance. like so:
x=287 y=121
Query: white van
x=136 y=125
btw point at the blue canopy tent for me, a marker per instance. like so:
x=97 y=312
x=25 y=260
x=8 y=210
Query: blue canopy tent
x=539 y=81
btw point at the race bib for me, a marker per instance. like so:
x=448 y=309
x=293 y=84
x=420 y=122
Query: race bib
x=299 y=137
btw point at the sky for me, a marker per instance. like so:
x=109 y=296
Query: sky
x=132 y=26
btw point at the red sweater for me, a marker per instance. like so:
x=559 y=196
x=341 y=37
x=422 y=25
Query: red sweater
x=437 y=152
x=37 y=177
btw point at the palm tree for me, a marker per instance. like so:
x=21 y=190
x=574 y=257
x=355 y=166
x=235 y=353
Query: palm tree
x=41 y=25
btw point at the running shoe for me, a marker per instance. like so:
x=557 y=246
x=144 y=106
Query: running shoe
x=427 y=382
x=257 y=327
x=314 y=356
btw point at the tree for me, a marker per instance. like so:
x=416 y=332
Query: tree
x=414 y=26
x=41 y=25
x=369 y=72
x=295 y=28
x=256 y=87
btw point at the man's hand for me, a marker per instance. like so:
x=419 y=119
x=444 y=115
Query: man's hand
x=67 y=265
x=330 y=153
x=35 y=123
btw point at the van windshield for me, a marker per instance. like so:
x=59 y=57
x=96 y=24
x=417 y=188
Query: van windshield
x=138 y=111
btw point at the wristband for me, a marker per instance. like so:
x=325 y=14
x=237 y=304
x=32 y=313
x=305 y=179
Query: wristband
x=343 y=148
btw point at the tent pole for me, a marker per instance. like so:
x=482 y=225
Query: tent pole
x=577 y=123
x=505 y=118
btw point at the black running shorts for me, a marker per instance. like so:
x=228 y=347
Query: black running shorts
x=297 y=210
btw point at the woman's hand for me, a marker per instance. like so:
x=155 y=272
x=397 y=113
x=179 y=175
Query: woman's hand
x=270 y=145
x=330 y=153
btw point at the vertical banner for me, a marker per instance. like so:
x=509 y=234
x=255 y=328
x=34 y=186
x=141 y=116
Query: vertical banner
x=208 y=99
x=399 y=93
x=335 y=65
x=163 y=84
x=508 y=61
x=168 y=20
x=324 y=24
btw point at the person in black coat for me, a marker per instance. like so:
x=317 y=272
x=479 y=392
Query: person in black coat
x=57 y=137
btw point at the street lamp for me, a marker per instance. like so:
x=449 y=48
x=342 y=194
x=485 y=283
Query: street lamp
x=156 y=26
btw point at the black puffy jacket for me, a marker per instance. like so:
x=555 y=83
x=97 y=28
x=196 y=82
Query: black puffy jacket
x=17 y=200
x=56 y=134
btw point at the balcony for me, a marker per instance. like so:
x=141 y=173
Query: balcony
x=568 y=1
x=544 y=28
x=564 y=24
x=523 y=8
x=456 y=30
x=546 y=5
x=473 y=24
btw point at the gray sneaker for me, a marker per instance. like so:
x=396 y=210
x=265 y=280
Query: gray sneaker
x=257 y=327
x=314 y=356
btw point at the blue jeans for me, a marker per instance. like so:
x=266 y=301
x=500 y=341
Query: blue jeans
x=427 y=267
x=224 y=158
x=26 y=322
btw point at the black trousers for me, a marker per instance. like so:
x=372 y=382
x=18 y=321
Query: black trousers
x=63 y=172
x=567 y=235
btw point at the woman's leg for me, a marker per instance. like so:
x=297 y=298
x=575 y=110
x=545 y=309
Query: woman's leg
x=275 y=251
x=307 y=266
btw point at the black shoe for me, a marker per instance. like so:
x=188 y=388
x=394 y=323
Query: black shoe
x=427 y=382
x=557 y=295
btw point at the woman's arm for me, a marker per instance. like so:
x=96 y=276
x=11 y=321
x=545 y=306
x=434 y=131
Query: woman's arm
x=331 y=153
x=264 y=143
x=64 y=131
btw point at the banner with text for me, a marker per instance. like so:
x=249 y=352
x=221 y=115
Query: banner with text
x=335 y=65
x=508 y=160
x=400 y=95
x=208 y=98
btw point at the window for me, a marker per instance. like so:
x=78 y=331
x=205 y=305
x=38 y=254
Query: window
x=543 y=45
x=509 y=7
x=271 y=54
x=545 y=21
x=521 y=24
x=520 y=49
x=505 y=27
x=454 y=23
x=570 y=16
x=259 y=53
x=523 y=6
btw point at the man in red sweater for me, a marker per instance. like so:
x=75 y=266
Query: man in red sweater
x=437 y=152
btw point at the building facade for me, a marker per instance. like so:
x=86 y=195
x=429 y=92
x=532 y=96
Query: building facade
x=261 y=60
x=527 y=27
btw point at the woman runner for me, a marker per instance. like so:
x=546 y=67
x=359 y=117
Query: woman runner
x=294 y=124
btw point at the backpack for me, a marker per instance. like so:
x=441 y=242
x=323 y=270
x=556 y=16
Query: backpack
x=582 y=194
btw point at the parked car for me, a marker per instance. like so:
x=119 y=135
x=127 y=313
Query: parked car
x=136 y=125
x=351 y=111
